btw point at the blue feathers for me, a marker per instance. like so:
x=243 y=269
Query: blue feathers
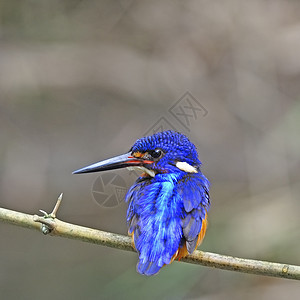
x=193 y=190
x=168 y=204
x=166 y=212
x=175 y=146
x=152 y=218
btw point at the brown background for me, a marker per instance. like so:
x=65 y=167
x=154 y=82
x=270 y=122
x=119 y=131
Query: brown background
x=80 y=81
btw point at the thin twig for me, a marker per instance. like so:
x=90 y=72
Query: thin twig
x=72 y=231
x=56 y=207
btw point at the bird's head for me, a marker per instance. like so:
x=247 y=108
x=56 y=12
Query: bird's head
x=163 y=152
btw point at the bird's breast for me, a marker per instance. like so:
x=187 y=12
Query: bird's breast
x=166 y=213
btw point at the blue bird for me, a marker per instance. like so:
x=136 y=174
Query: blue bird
x=168 y=204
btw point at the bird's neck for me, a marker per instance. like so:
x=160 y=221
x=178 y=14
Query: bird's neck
x=172 y=177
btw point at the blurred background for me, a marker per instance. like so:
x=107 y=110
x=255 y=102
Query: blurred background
x=80 y=81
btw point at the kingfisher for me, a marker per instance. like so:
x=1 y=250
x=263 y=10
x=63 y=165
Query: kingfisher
x=168 y=203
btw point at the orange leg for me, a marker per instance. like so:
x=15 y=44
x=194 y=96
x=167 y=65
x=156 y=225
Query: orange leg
x=132 y=239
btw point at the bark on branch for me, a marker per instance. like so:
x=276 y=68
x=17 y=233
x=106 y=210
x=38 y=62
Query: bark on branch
x=50 y=224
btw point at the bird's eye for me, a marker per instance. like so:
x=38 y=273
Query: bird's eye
x=156 y=153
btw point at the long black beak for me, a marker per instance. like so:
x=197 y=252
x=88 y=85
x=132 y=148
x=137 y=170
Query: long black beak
x=121 y=161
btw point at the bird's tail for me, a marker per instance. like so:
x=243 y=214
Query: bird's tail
x=148 y=268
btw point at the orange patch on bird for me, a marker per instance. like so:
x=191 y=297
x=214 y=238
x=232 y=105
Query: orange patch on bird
x=141 y=155
x=145 y=175
x=138 y=154
x=182 y=252
x=132 y=239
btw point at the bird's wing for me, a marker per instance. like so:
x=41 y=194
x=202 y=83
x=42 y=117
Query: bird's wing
x=193 y=190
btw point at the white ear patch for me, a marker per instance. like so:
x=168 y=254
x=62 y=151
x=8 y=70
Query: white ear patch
x=184 y=166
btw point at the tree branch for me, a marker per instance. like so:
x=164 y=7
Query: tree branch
x=49 y=224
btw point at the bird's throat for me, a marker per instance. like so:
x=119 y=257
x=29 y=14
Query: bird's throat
x=143 y=169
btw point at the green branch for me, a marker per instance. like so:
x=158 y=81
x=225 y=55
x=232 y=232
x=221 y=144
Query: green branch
x=48 y=224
